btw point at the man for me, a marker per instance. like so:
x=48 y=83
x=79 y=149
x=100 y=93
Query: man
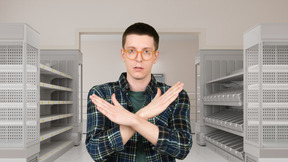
x=137 y=118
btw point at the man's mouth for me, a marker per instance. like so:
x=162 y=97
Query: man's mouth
x=138 y=68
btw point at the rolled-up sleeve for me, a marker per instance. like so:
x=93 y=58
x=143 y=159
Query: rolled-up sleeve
x=101 y=140
x=176 y=139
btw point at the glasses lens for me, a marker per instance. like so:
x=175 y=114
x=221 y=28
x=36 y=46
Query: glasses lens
x=147 y=55
x=131 y=54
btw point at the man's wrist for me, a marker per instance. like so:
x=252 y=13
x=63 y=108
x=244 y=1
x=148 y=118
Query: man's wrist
x=135 y=121
x=141 y=114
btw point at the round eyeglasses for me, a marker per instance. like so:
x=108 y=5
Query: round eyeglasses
x=132 y=54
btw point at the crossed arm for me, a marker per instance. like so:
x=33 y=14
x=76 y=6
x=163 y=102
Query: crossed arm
x=104 y=140
x=129 y=122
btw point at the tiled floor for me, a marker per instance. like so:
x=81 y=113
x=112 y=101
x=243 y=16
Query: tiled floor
x=197 y=154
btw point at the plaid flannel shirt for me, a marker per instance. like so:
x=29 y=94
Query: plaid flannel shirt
x=104 y=141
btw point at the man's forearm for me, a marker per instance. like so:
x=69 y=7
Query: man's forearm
x=146 y=129
x=142 y=126
x=126 y=133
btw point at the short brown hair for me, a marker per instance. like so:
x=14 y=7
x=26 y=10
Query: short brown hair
x=141 y=29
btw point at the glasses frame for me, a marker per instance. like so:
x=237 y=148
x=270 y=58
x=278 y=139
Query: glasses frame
x=126 y=51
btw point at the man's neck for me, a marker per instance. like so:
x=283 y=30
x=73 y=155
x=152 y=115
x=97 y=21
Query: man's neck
x=138 y=85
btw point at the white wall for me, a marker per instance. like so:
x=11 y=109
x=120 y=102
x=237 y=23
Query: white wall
x=222 y=22
x=101 y=62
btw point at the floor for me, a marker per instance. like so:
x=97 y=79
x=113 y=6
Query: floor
x=197 y=154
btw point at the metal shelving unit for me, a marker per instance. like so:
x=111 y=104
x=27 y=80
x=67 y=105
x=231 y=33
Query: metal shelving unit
x=59 y=102
x=220 y=83
x=19 y=92
x=39 y=103
x=266 y=93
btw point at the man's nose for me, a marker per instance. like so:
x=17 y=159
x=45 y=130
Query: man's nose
x=139 y=56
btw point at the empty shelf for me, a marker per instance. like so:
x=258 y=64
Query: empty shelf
x=54 y=87
x=44 y=102
x=49 y=132
x=228 y=142
x=233 y=77
x=50 y=71
x=52 y=117
x=241 y=134
x=229 y=97
x=50 y=151
x=228 y=120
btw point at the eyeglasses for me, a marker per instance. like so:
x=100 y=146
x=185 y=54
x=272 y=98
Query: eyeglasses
x=133 y=54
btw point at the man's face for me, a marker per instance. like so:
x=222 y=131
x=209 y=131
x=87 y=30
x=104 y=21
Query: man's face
x=139 y=69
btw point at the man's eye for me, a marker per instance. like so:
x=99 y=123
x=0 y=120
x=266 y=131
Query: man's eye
x=146 y=52
x=131 y=51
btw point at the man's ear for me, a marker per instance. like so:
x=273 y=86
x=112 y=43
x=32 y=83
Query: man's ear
x=156 y=56
x=122 y=54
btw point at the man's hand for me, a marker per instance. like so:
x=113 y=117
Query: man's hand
x=160 y=102
x=116 y=113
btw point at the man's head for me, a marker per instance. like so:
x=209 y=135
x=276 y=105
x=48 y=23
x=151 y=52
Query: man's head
x=141 y=29
x=139 y=51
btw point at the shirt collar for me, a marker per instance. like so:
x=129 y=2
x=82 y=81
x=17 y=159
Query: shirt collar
x=124 y=85
x=152 y=86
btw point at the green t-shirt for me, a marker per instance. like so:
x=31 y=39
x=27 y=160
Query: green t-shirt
x=138 y=100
